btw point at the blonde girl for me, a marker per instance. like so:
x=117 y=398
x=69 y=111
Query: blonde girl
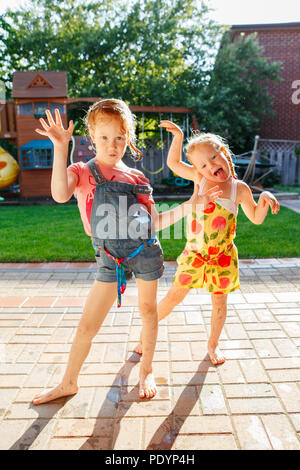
x=210 y=257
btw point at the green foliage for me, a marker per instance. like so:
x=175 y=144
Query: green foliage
x=145 y=51
x=236 y=97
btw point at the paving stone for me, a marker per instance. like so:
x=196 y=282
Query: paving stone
x=206 y=442
x=7 y=396
x=158 y=433
x=104 y=403
x=286 y=347
x=249 y=390
x=128 y=434
x=255 y=405
x=290 y=395
x=251 y=433
x=84 y=428
x=10 y=430
x=253 y=371
x=79 y=443
x=296 y=421
x=185 y=401
x=231 y=372
x=265 y=348
x=280 y=432
x=180 y=351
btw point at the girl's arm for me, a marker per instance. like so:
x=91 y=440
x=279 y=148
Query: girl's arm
x=195 y=203
x=174 y=156
x=63 y=183
x=256 y=212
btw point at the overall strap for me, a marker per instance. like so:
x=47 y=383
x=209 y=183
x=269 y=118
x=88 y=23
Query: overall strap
x=95 y=170
x=233 y=190
x=201 y=185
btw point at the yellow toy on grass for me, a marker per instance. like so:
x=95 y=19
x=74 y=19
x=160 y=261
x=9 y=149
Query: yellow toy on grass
x=9 y=169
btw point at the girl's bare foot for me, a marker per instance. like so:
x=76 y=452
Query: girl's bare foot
x=216 y=356
x=139 y=349
x=54 y=393
x=147 y=385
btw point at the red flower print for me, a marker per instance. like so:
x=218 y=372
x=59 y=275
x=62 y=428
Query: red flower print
x=212 y=262
x=224 y=260
x=211 y=207
x=233 y=229
x=213 y=250
x=214 y=280
x=219 y=223
x=195 y=226
x=185 y=252
x=204 y=278
x=185 y=279
x=224 y=282
x=197 y=263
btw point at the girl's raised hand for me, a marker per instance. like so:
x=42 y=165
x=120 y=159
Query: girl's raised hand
x=171 y=127
x=268 y=198
x=210 y=195
x=55 y=130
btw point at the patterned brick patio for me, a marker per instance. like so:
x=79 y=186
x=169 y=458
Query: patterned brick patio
x=252 y=401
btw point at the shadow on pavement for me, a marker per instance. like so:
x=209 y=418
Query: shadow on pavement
x=165 y=435
x=114 y=396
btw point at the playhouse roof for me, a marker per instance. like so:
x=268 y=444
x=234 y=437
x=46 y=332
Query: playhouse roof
x=40 y=84
x=38 y=144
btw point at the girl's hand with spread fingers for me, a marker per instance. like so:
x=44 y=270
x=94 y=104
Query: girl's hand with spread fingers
x=171 y=127
x=204 y=199
x=55 y=130
x=270 y=199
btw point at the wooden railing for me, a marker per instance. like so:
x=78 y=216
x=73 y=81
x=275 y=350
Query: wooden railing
x=285 y=154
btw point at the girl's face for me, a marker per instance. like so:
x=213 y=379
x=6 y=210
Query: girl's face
x=210 y=163
x=110 y=140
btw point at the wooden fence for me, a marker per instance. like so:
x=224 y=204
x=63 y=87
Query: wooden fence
x=285 y=155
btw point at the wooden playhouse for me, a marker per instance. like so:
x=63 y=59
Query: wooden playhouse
x=33 y=93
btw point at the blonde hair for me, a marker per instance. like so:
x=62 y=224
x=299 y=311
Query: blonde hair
x=216 y=141
x=117 y=108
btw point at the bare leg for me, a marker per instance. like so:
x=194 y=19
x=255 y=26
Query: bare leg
x=97 y=306
x=174 y=297
x=147 y=291
x=218 y=317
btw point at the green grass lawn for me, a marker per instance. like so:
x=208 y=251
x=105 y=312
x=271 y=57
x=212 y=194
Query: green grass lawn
x=55 y=233
x=287 y=189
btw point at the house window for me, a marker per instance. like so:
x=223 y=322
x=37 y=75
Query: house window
x=60 y=106
x=40 y=109
x=36 y=154
x=25 y=108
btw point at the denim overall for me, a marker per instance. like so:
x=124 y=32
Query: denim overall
x=122 y=229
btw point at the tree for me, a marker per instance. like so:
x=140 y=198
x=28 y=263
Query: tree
x=146 y=51
x=236 y=97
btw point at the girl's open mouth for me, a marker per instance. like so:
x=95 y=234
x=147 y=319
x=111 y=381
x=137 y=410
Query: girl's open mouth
x=219 y=172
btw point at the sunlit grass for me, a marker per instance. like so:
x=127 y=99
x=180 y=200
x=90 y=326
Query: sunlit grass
x=55 y=233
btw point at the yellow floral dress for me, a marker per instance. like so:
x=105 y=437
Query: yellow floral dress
x=210 y=257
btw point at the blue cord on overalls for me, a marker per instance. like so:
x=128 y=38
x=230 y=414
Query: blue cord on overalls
x=121 y=278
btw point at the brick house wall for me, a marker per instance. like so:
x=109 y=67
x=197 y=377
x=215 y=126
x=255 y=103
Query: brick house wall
x=281 y=42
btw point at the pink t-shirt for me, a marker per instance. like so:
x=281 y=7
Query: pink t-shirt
x=86 y=186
